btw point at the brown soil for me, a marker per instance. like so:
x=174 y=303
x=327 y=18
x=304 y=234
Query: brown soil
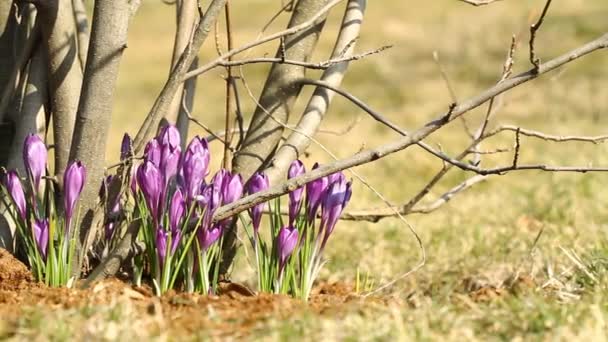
x=234 y=312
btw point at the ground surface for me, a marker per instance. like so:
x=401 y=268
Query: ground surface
x=521 y=256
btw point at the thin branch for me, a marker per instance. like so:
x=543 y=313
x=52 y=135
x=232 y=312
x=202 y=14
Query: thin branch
x=323 y=65
x=548 y=137
x=374 y=154
x=375 y=215
x=310 y=121
x=533 y=29
x=229 y=122
x=176 y=78
x=478 y=3
x=292 y=30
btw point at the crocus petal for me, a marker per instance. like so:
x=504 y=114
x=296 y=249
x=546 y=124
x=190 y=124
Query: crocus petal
x=176 y=210
x=315 y=191
x=258 y=182
x=41 y=235
x=150 y=181
x=169 y=162
x=34 y=158
x=337 y=196
x=15 y=189
x=295 y=197
x=207 y=237
x=195 y=166
x=169 y=135
x=152 y=152
x=73 y=182
x=287 y=240
x=233 y=189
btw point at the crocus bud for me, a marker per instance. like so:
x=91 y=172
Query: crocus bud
x=34 y=157
x=295 y=197
x=15 y=189
x=207 y=237
x=150 y=182
x=337 y=196
x=169 y=135
x=258 y=182
x=315 y=192
x=41 y=235
x=73 y=182
x=195 y=166
x=233 y=188
x=161 y=244
x=152 y=152
x=176 y=210
x=169 y=162
x=286 y=243
x=125 y=147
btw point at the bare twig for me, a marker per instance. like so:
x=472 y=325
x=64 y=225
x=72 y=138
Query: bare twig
x=311 y=119
x=533 y=29
x=168 y=92
x=477 y=3
x=229 y=123
x=292 y=30
x=370 y=155
x=323 y=65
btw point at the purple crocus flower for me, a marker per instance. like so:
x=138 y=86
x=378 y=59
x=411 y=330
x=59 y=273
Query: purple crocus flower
x=125 y=147
x=315 y=192
x=195 y=166
x=287 y=240
x=337 y=196
x=152 y=152
x=212 y=196
x=150 y=182
x=73 y=182
x=176 y=210
x=233 y=188
x=41 y=235
x=295 y=197
x=207 y=237
x=15 y=189
x=169 y=162
x=258 y=182
x=169 y=135
x=34 y=157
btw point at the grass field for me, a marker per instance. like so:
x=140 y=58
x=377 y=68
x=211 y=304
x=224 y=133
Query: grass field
x=489 y=275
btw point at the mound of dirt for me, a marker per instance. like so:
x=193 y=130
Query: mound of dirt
x=14 y=275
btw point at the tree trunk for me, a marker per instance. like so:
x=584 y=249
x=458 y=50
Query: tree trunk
x=108 y=41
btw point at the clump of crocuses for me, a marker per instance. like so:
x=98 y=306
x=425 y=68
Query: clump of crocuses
x=290 y=262
x=176 y=207
x=45 y=232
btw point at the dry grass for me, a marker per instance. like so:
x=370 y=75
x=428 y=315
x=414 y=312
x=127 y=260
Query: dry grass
x=476 y=244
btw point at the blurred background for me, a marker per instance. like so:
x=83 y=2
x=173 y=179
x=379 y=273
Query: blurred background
x=489 y=228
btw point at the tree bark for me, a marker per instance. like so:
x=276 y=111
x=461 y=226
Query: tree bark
x=175 y=79
x=187 y=17
x=277 y=99
x=65 y=74
x=298 y=141
x=108 y=41
x=280 y=92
